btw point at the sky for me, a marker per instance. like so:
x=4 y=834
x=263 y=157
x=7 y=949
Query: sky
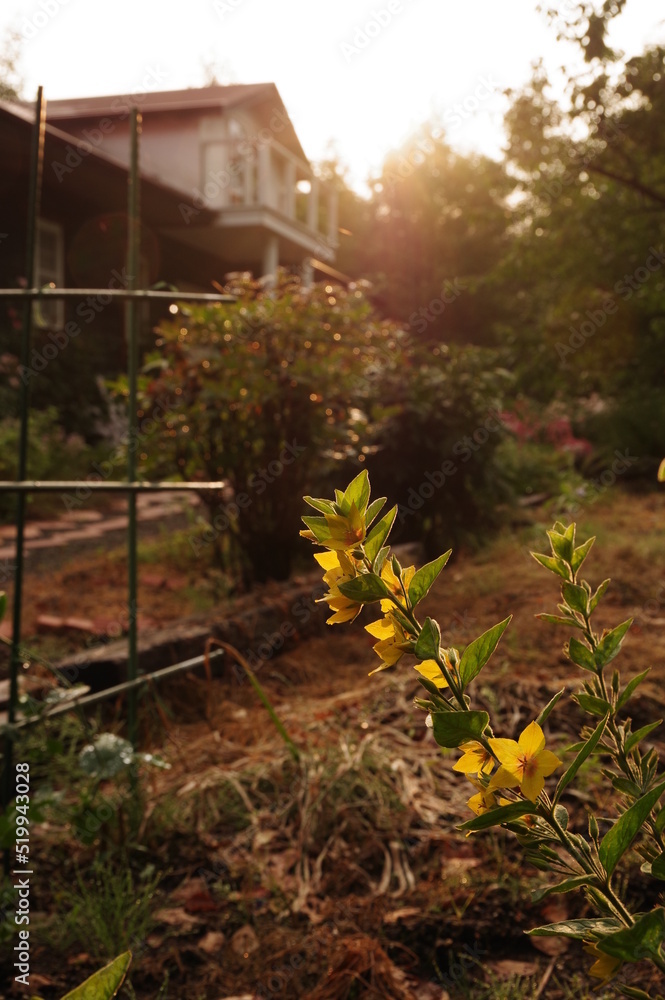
x=356 y=77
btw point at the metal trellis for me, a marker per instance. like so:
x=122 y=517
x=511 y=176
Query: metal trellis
x=132 y=295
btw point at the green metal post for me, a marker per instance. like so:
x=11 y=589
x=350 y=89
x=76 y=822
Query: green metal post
x=131 y=325
x=34 y=197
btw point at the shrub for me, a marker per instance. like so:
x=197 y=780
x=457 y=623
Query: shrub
x=267 y=395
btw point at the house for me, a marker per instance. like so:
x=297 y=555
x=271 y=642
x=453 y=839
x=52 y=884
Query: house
x=231 y=151
x=225 y=186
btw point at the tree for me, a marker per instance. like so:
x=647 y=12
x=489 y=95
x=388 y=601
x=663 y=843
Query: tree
x=11 y=83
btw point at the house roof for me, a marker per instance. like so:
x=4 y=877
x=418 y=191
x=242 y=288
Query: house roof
x=264 y=97
x=164 y=100
x=95 y=166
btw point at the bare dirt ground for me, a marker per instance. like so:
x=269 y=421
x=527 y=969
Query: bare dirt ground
x=340 y=874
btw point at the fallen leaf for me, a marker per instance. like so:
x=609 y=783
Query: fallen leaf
x=212 y=942
x=79 y=959
x=507 y=968
x=406 y=911
x=244 y=941
x=176 y=916
x=552 y=946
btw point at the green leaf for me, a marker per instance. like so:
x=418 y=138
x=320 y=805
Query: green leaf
x=365 y=589
x=561 y=546
x=454 y=728
x=374 y=510
x=630 y=687
x=566 y=886
x=429 y=641
x=357 y=492
x=478 y=652
x=590 y=928
x=422 y=580
x=642 y=940
x=378 y=562
x=597 y=706
x=325 y=506
x=585 y=752
x=553 y=565
x=576 y=597
x=593 y=603
x=639 y=734
x=502 y=814
x=580 y=554
x=431 y=687
x=558 y=620
x=379 y=533
x=660 y=821
x=610 y=644
x=581 y=655
x=544 y=715
x=658 y=867
x=103 y=985
x=627 y=787
x=618 y=839
x=319 y=528
x=634 y=994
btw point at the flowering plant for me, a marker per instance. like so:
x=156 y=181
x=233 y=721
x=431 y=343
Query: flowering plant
x=509 y=777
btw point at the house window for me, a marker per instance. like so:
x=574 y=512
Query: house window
x=49 y=270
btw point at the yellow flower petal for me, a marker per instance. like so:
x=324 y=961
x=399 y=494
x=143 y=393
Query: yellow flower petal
x=475 y=760
x=532 y=740
x=432 y=671
x=508 y=753
x=503 y=778
x=547 y=762
x=327 y=560
x=381 y=629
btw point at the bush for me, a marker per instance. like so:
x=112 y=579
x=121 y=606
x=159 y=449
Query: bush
x=51 y=455
x=437 y=430
x=269 y=395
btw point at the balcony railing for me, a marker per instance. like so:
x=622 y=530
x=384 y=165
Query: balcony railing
x=249 y=173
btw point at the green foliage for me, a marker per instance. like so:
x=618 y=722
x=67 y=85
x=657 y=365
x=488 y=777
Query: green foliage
x=268 y=395
x=436 y=432
x=517 y=788
x=103 y=985
x=51 y=453
x=105 y=911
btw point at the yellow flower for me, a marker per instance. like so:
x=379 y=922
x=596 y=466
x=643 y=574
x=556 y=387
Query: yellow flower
x=346 y=530
x=475 y=760
x=391 y=636
x=391 y=580
x=432 y=671
x=605 y=967
x=484 y=800
x=339 y=568
x=525 y=763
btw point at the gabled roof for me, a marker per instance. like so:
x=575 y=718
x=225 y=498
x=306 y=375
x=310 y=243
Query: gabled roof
x=216 y=96
x=263 y=97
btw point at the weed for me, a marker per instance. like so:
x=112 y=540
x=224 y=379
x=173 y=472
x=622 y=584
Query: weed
x=106 y=912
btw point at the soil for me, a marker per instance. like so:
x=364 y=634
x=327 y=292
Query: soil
x=341 y=874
